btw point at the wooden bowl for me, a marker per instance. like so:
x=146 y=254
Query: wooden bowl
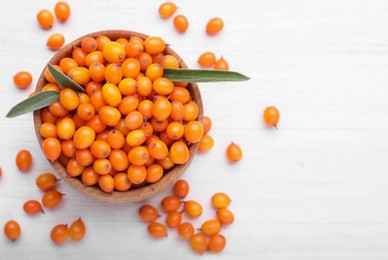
x=134 y=194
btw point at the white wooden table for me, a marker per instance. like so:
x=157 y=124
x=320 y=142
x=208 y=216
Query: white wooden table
x=315 y=189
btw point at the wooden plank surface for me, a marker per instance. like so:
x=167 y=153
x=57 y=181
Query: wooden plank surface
x=315 y=189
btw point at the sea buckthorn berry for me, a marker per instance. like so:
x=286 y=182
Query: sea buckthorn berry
x=115 y=139
x=181 y=23
x=119 y=160
x=22 y=79
x=134 y=49
x=136 y=137
x=97 y=100
x=83 y=98
x=145 y=60
x=84 y=137
x=138 y=155
x=113 y=52
x=192 y=208
x=101 y=42
x=122 y=182
x=47 y=116
x=69 y=99
x=234 y=152
x=68 y=148
x=127 y=86
x=122 y=127
x=159 y=126
x=100 y=149
x=173 y=219
x=207 y=59
x=134 y=120
x=198 y=243
x=154 y=173
x=190 y=111
x=206 y=143
x=1 y=171
x=88 y=44
x=185 y=230
x=92 y=87
x=23 y=160
x=145 y=108
x=164 y=138
x=163 y=86
x=62 y=11
x=55 y=41
x=48 y=130
x=137 y=174
x=96 y=124
x=79 y=56
x=181 y=189
x=89 y=176
x=84 y=158
x=181 y=84
x=193 y=132
x=216 y=244
x=113 y=73
x=59 y=234
x=77 y=230
x=220 y=200
x=130 y=68
x=171 y=203
x=122 y=41
x=12 y=230
x=221 y=64
x=80 y=75
x=66 y=128
x=271 y=116
x=158 y=149
x=147 y=128
x=111 y=94
x=225 y=216
x=128 y=104
x=97 y=72
x=144 y=86
x=167 y=9
x=74 y=168
x=67 y=64
x=51 y=86
x=51 y=199
x=157 y=230
x=169 y=61
x=45 y=19
x=93 y=57
x=180 y=94
x=103 y=136
x=214 y=26
x=166 y=163
x=46 y=181
x=175 y=130
x=154 y=45
x=32 y=207
x=154 y=71
x=179 y=152
x=57 y=109
x=86 y=111
x=211 y=227
x=161 y=109
x=106 y=183
x=148 y=213
x=110 y=115
x=207 y=124
x=48 y=76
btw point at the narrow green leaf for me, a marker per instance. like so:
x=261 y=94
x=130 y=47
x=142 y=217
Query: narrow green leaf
x=63 y=80
x=37 y=101
x=190 y=75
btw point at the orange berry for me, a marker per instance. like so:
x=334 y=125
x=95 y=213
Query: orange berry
x=154 y=71
x=84 y=137
x=22 y=79
x=225 y=216
x=185 y=230
x=111 y=94
x=48 y=130
x=190 y=111
x=93 y=57
x=171 y=203
x=122 y=182
x=207 y=59
x=214 y=26
x=130 y=68
x=181 y=23
x=92 y=87
x=69 y=99
x=147 y=128
x=113 y=52
x=154 y=173
x=192 y=208
x=46 y=181
x=180 y=94
x=179 y=152
x=74 y=168
x=115 y=139
x=134 y=120
x=123 y=42
x=77 y=230
x=102 y=166
x=59 y=234
x=216 y=244
x=137 y=174
x=198 y=243
x=169 y=61
x=175 y=130
x=221 y=64
x=100 y=149
x=89 y=176
x=181 y=189
x=220 y=200
x=193 y=132
x=47 y=116
x=163 y=86
x=110 y=115
x=12 y=230
x=173 y=219
x=88 y=44
x=67 y=64
x=145 y=108
x=51 y=148
x=55 y=41
x=128 y=104
x=154 y=45
x=101 y=42
x=157 y=230
x=106 y=183
x=84 y=158
x=138 y=155
x=206 y=143
x=32 y=207
x=211 y=227
x=127 y=86
x=23 y=160
x=97 y=100
x=80 y=75
x=271 y=116
x=158 y=149
x=134 y=49
x=51 y=199
x=167 y=9
x=207 y=124
x=161 y=109
x=66 y=128
x=45 y=19
x=234 y=152
x=86 y=111
x=119 y=160
x=145 y=60
x=62 y=11
x=148 y=213
x=113 y=73
x=136 y=137
x=166 y=163
x=79 y=56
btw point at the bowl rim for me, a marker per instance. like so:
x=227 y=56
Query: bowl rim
x=133 y=194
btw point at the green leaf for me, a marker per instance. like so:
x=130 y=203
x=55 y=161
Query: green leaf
x=37 y=101
x=189 y=75
x=63 y=80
